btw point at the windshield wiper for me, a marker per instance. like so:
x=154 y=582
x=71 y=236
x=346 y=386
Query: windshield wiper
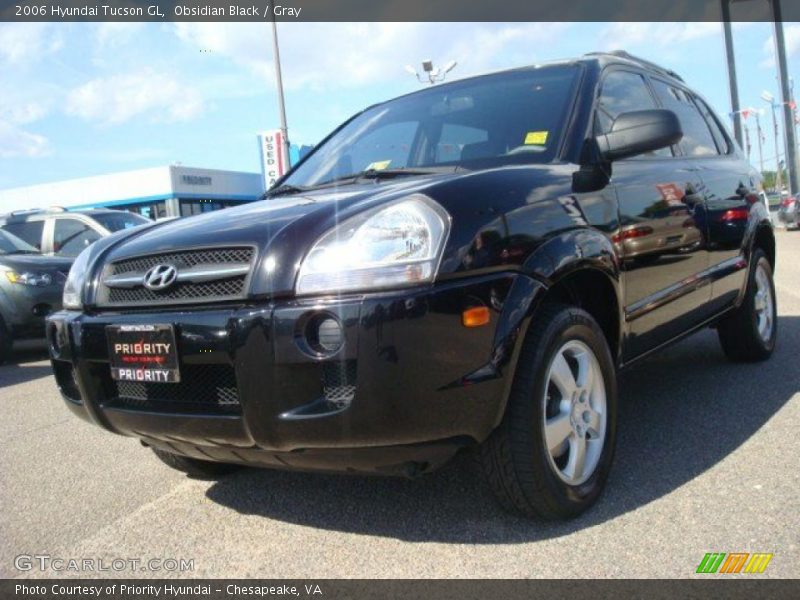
x=284 y=190
x=390 y=173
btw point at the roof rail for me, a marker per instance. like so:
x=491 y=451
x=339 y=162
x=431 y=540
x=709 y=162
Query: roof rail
x=36 y=211
x=636 y=59
x=26 y=211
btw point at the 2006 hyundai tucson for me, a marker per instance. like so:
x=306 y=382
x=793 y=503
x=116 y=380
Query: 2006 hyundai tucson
x=466 y=265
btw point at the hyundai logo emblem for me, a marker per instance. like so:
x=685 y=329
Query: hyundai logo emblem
x=160 y=277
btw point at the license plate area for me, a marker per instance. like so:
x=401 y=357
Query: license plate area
x=143 y=353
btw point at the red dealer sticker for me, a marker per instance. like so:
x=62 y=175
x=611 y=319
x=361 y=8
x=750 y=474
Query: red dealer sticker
x=145 y=353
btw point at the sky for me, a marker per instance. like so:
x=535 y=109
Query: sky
x=81 y=99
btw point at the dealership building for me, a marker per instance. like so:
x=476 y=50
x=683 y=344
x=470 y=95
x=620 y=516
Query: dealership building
x=169 y=191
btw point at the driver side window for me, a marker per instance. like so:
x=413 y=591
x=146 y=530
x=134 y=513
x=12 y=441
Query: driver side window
x=623 y=91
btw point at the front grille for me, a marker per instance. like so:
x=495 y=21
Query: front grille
x=185 y=258
x=210 y=290
x=203 y=389
x=217 y=287
x=339 y=382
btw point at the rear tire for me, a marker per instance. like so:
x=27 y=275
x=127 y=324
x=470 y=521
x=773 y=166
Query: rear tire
x=194 y=467
x=562 y=405
x=748 y=333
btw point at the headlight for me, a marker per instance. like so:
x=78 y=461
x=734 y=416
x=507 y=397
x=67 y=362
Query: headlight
x=33 y=279
x=391 y=246
x=75 y=280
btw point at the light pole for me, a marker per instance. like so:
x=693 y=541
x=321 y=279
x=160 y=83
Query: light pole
x=760 y=136
x=281 y=103
x=432 y=74
x=770 y=99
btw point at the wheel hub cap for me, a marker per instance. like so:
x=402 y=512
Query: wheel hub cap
x=574 y=412
x=764 y=304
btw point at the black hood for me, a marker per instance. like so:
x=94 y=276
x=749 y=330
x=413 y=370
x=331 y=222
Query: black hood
x=284 y=228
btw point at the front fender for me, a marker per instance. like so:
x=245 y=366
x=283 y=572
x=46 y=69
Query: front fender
x=570 y=251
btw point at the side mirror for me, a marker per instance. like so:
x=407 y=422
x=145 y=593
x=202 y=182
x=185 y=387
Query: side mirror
x=638 y=132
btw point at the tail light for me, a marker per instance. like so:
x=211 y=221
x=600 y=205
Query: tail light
x=735 y=214
x=629 y=234
x=787 y=202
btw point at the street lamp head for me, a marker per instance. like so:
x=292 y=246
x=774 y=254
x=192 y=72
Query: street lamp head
x=767 y=97
x=450 y=66
x=410 y=69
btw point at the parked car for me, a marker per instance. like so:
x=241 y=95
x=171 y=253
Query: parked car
x=31 y=286
x=789 y=211
x=439 y=273
x=59 y=232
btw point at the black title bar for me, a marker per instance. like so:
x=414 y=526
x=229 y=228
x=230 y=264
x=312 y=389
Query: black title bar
x=394 y=10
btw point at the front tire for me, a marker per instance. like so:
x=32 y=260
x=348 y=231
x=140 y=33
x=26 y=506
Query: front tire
x=748 y=333
x=194 y=467
x=551 y=455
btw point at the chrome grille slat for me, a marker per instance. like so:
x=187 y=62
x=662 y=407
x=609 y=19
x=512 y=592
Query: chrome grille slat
x=204 y=275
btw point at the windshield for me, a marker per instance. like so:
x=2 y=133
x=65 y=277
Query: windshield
x=120 y=219
x=11 y=244
x=513 y=117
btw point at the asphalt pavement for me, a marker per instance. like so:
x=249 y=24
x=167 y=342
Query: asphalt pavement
x=707 y=461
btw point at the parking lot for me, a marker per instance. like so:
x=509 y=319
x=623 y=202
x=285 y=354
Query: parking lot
x=707 y=461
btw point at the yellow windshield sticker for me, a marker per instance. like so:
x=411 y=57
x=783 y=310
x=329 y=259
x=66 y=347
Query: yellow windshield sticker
x=378 y=165
x=536 y=138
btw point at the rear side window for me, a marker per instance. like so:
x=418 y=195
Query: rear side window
x=30 y=231
x=623 y=91
x=716 y=129
x=71 y=236
x=697 y=139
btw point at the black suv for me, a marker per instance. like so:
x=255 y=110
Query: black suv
x=467 y=265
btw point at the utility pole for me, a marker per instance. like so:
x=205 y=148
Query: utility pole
x=786 y=95
x=733 y=86
x=760 y=137
x=770 y=99
x=747 y=141
x=281 y=103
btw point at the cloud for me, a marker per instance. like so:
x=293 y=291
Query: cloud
x=322 y=56
x=22 y=114
x=15 y=142
x=26 y=43
x=624 y=36
x=147 y=93
x=112 y=34
x=791 y=35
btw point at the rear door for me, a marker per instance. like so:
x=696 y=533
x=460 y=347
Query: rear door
x=661 y=247
x=729 y=188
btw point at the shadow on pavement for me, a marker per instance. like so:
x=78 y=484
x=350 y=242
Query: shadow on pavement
x=24 y=364
x=681 y=412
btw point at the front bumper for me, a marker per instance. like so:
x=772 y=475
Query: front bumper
x=424 y=385
x=25 y=307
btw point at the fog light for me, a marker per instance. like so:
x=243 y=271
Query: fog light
x=330 y=335
x=324 y=334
